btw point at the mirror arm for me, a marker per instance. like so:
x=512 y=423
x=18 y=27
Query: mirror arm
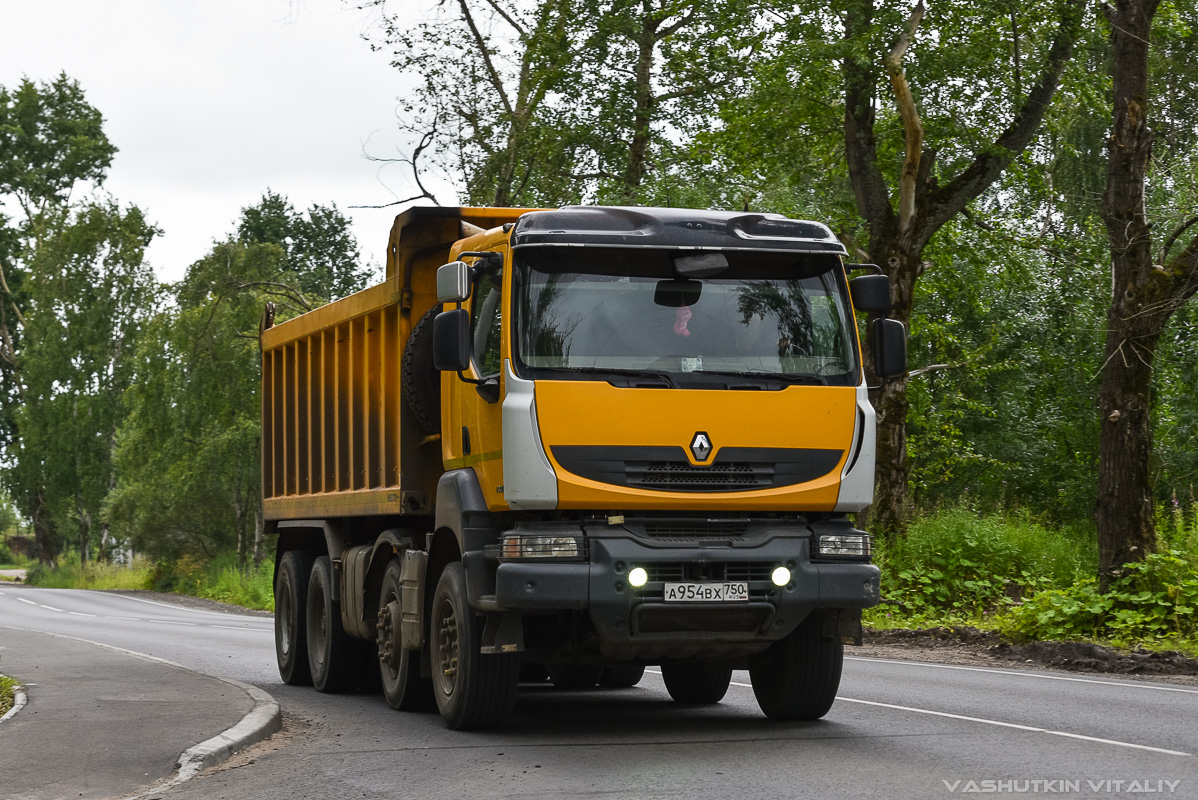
x=858 y=267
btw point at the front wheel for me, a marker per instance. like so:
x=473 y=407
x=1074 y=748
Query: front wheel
x=472 y=690
x=399 y=668
x=797 y=678
x=696 y=684
x=621 y=676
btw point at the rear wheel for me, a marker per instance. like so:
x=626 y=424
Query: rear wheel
x=621 y=676
x=334 y=658
x=291 y=607
x=797 y=678
x=472 y=690
x=696 y=684
x=574 y=676
x=399 y=668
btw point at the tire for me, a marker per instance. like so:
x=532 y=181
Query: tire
x=574 y=676
x=696 y=684
x=291 y=618
x=797 y=678
x=334 y=658
x=622 y=676
x=421 y=381
x=399 y=669
x=472 y=690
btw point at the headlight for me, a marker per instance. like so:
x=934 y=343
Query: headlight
x=536 y=545
x=843 y=545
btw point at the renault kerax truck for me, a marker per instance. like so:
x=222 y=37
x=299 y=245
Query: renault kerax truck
x=567 y=444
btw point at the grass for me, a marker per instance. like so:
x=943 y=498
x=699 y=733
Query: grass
x=216 y=579
x=8 y=694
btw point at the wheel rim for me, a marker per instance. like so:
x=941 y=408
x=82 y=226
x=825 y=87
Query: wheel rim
x=389 y=639
x=316 y=613
x=286 y=615
x=448 y=648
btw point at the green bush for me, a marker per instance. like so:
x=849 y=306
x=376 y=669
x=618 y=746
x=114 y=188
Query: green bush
x=956 y=565
x=1153 y=601
x=70 y=574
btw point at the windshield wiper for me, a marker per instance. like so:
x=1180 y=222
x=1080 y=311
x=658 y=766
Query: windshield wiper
x=806 y=380
x=635 y=373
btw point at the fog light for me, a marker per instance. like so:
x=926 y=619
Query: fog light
x=638 y=577
x=780 y=576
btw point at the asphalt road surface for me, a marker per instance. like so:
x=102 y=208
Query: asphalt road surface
x=898 y=730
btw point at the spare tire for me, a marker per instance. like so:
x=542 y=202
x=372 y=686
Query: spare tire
x=420 y=378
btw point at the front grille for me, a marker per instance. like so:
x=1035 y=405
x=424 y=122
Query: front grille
x=680 y=476
x=667 y=469
x=715 y=529
x=689 y=571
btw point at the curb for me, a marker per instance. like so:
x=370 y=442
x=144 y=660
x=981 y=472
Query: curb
x=260 y=722
x=18 y=702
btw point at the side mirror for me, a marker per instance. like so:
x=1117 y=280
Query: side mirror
x=451 y=337
x=870 y=293
x=888 y=340
x=453 y=282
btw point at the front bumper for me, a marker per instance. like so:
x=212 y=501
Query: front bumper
x=624 y=616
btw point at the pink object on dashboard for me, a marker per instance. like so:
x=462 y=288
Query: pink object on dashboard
x=682 y=315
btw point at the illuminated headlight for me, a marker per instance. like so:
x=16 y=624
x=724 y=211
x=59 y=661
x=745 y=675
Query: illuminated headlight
x=535 y=545
x=780 y=576
x=844 y=545
x=638 y=577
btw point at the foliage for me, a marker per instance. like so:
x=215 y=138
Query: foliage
x=1154 y=601
x=217 y=579
x=72 y=573
x=8 y=691
x=958 y=564
x=320 y=255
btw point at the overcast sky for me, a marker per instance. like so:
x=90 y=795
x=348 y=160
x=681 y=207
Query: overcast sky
x=212 y=101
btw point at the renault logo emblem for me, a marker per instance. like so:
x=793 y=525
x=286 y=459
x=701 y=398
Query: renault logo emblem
x=701 y=446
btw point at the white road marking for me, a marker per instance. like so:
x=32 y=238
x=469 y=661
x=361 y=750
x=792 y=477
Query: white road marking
x=30 y=602
x=52 y=608
x=995 y=722
x=80 y=614
x=171 y=622
x=127 y=619
x=179 y=608
x=231 y=628
x=1015 y=726
x=1023 y=674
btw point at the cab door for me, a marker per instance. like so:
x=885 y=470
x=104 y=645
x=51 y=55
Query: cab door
x=481 y=405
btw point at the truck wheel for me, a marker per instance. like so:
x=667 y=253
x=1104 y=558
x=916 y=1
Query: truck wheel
x=291 y=621
x=332 y=656
x=472 y=690
x=621 y=677
x=574 y=676
x=696 y=684
x=797 y=678
x=420 y=380
x=399 y=668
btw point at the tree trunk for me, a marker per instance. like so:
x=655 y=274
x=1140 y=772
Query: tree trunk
x=43 y=532
x=1139 y=308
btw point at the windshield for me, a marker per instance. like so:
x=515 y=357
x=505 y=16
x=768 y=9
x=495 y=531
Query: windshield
x=779 y=318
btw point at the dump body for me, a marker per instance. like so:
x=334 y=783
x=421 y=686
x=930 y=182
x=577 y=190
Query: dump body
x=642 y=441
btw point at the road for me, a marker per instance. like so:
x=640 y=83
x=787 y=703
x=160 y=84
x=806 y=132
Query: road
x=899 y=729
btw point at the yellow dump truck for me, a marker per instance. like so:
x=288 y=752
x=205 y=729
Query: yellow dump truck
x=566 y=444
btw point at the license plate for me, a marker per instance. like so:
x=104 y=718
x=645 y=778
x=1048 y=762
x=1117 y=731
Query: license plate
x=731 y=592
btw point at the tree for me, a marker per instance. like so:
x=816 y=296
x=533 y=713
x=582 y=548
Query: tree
x=318 y=248
x=931 y=108
x=51 y=142
x=1150 y=279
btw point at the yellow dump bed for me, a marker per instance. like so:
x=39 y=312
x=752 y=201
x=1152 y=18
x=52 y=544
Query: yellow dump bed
x=337 y=437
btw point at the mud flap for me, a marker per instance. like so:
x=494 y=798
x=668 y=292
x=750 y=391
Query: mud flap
x=843 y=624
x=504 y=633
